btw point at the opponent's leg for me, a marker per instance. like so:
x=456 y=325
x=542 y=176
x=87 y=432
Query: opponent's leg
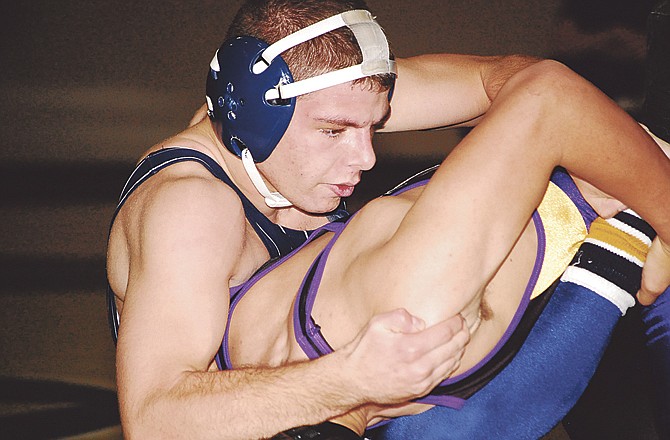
x=552 y=369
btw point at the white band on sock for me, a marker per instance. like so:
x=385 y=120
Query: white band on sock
x=599 y=285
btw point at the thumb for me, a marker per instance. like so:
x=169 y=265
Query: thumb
x=655 y=273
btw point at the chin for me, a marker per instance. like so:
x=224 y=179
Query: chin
x=318 y=207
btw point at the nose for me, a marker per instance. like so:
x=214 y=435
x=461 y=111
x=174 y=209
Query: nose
x=363 y=155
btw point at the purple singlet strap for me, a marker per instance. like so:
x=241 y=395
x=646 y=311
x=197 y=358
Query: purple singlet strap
x=435 y=398
x=222 y=357
x=309 y=337
x=307 y=332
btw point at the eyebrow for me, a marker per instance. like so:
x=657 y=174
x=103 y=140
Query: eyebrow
x=346 y=122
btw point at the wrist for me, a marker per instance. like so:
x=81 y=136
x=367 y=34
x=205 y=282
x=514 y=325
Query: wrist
x=347 y=382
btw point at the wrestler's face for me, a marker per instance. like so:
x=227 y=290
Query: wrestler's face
x=327 y=146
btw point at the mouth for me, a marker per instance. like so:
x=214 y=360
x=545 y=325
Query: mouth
x=343 y=190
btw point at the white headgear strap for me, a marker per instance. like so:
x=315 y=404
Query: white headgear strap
x=370 y=38
x=272 y=199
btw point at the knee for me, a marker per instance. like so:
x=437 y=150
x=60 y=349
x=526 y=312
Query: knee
x=546 y=86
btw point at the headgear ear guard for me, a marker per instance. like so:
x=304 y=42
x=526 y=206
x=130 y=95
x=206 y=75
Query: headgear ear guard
x=236 y=97
x=251 y=93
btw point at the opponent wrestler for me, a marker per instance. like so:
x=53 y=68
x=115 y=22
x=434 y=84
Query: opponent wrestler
x=426 y=251
x=566 y=344
x=166 y=262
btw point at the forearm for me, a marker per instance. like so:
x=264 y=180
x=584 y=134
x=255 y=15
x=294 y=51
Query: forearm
x=448 y=90
x=242 y=404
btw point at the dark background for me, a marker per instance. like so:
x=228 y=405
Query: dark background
x=85 y=87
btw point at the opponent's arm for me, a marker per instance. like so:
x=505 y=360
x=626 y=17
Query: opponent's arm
x=173 y=319
x=442 y=90
x=447 y=90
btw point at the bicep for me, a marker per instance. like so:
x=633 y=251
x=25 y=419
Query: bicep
x=176 y=300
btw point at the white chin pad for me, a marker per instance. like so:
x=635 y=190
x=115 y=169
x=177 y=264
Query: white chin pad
x=371 y=40
x=272 y=199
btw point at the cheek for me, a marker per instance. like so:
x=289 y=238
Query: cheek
x=307 y=159
x=315 y=159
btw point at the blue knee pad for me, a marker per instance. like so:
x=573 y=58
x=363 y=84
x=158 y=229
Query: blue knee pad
x=539 y=386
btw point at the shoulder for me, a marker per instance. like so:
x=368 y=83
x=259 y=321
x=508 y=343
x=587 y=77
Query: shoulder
x=376 y=222
x=388 y=210
x=183 y=204
x=185 y=187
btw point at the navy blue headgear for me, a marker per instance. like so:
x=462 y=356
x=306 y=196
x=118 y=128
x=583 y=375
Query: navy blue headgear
x=251 y=92
x=237 y=98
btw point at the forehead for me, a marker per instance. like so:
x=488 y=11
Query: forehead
x=353 y=102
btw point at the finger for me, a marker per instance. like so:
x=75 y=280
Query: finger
x=655 y=273
x=400 y=321
x=418 y=324
x=441 y=342
x=646 y=298
x=442 y=333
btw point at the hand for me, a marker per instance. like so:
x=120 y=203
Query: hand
x=395 y=358
x=656 y=270
x=655 y=273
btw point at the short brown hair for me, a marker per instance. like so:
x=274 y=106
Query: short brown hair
x=271 y=20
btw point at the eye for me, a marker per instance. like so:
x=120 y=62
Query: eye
x=330 y=132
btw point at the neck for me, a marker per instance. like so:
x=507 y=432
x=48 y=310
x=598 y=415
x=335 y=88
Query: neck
x=290 y=217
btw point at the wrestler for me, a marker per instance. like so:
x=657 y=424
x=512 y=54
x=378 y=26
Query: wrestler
x=426 y=251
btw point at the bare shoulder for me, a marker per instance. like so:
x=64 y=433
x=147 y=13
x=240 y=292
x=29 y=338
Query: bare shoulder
x=179 y=207
x=184 y=196
x=349 y=282
x=383 y=214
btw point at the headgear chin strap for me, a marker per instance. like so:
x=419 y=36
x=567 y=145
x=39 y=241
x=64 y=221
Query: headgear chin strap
x=272 y=199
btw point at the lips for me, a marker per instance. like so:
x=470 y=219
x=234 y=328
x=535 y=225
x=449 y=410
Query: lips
x=344 y=190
